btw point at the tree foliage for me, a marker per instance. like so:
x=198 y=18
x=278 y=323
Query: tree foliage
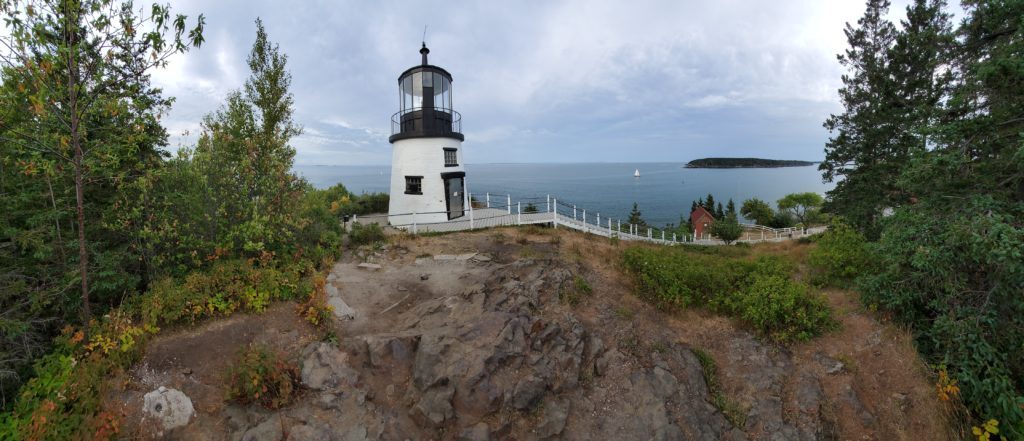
x=79 y=121
x=758 y=211
x=803 y=206
x=933 y=129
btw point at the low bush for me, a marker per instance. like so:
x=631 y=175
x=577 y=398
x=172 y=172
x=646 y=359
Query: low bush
x=759 y=292
x=575 y=293
x=841 y=255
x=263 y=377
x=228 y=286
x=365 y=234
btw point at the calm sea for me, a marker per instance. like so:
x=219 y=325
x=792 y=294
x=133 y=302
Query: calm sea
x=663 y=190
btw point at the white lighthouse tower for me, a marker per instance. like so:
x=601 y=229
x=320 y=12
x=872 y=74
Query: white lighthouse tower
x=428 y=178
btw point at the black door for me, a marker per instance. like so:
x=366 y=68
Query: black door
x=453 y=189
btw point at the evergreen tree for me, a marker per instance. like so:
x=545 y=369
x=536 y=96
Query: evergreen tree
x=859 y=148
x=719 y=213
x=709 y=204
x=730 y=208
x=693 y=207
x=635 y=218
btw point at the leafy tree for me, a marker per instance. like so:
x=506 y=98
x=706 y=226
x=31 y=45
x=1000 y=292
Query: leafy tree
x=79 y=121
x=727 y=229
x=245 y=157
x=635 y=218
x=758 y=211
x=801 y=205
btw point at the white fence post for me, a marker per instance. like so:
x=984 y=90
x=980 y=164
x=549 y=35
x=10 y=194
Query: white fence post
x=584 y=220
x=554 y=216
x=609 y=227
x=673 y=237
x=509 y=205
x=648 y=233
x=549 y=203
x=598 y=220
x=414 y=231
x=618 y=225
x=488 y=200
x=573 y=212
x=471 y=215
x=662 y=234
x=519 y=212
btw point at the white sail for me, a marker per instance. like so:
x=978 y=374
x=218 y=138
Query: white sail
x=636 y=174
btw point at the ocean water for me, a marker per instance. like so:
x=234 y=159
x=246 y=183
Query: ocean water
x=663 y=190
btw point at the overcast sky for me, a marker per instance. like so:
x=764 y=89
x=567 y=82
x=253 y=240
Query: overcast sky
x=545 y=81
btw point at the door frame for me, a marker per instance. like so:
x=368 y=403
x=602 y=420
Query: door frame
x=448 y=194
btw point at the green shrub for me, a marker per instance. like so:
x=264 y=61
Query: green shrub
x=784 y=310
x=261 y=376
x=226 y=287
x=365 y=234
x=842 y=254
x=728 y=229
x=955 y=274
x=761 y=292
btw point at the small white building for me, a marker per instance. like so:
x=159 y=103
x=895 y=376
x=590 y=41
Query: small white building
x=428 y=177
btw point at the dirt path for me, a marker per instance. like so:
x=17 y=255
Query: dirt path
x=487 y=335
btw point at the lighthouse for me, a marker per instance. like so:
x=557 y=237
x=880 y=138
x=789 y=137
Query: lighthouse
x=428 y=177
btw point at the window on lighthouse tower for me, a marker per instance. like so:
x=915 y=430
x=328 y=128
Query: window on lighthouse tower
x=414 y=185
x=450 y=158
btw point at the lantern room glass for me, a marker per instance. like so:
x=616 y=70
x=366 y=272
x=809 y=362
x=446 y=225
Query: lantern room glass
x=413 y=87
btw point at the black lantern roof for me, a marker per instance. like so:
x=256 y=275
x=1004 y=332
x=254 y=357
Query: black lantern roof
x=425 y=111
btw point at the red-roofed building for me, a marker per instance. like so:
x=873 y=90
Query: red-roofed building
x=701 y=219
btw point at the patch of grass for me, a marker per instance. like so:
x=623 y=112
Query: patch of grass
x=579 y=290
x=659 y=347
x=614 y=240
x=623 y=312
x=527 y=252
x=261 y=376
x=732 y=411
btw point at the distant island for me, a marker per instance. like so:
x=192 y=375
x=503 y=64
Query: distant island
x=745 y=163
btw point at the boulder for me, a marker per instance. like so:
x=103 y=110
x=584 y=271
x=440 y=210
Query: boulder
x=527 y=392
x=435 y=406
x=269 y=430
x=478 y=432
x=169 y=407
x=325 y=367
x=552 y=421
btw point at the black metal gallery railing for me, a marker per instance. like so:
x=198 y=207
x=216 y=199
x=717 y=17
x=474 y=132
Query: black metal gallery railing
x=420 y=121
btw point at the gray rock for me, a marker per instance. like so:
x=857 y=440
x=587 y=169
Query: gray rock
x=269 y=430
x=428 y=366
x=169 y=407
x=478 y=432
x=369 y=266
x=435 y=406
x=552 y=422
x=527 y=392
x=308 y=432
x=831 y=365
x=324 y=367
x=445 y=257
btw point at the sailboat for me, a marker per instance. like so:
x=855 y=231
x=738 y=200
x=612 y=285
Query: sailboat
x=636 y=174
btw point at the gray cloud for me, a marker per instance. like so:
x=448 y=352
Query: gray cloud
x=539 y=81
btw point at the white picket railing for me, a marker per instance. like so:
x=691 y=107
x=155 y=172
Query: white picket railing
x=549 y=210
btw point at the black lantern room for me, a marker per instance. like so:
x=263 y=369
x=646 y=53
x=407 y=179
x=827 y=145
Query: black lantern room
x=426 y=111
